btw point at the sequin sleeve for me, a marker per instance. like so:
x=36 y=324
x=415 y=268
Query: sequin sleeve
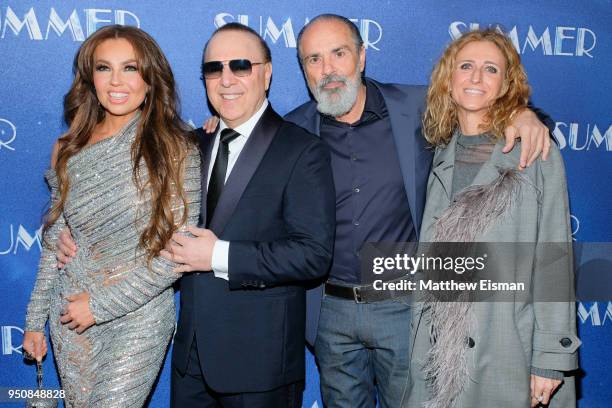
x=38 y=308
x=144 y=282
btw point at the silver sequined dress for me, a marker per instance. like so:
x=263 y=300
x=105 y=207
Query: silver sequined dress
x=115 y=362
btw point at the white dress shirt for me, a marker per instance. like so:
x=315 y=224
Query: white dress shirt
x=220 y=255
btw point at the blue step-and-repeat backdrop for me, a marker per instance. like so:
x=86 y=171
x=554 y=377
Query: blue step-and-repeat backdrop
x=566 y=47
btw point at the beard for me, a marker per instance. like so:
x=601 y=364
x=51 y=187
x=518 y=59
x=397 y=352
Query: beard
x=338 y=101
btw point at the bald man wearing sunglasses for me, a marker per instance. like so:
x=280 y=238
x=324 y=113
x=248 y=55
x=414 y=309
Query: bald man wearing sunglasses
x=265 y=234
x=267 y=225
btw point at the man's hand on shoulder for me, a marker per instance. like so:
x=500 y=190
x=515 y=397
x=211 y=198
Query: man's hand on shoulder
x=534 y=137
x=65 y=248
x=210 y=125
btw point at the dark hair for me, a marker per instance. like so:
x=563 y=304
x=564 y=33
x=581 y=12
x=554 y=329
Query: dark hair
x=332 y=17
x=241 y=28
x=161 y=137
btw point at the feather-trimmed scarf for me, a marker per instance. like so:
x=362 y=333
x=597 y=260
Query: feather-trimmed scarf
x=474 y=209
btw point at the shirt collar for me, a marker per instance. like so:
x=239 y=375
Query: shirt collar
x=247 y=127
x=374 y=102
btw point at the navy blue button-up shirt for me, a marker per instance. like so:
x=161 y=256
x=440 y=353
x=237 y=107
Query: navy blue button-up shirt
x=371 y=202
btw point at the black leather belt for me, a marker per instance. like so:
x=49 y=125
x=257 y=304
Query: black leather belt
x=364 y=293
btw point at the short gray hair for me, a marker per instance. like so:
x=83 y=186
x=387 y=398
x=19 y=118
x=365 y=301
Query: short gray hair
x=332 y=17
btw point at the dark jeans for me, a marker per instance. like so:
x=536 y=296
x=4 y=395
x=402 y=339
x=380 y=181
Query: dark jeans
x=190 y=390
x=363 y=346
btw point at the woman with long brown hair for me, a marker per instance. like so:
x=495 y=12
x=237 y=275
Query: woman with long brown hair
x=517 y=352
x=123 y=178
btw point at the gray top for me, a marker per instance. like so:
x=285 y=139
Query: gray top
x=471 y=153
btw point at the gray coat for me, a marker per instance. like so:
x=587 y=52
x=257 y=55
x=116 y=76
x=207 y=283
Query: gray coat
x=507 y=338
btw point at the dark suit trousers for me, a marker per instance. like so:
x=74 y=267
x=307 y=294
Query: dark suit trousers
x=191 y=390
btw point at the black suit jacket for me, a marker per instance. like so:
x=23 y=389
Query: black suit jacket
x=278 y=212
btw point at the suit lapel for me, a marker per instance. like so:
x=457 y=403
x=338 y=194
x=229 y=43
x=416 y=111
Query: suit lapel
x=404 y=116
x=443 y=167
x=206 y=142
x=311 y=121
x=242 y=172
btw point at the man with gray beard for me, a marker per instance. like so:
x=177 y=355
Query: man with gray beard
x=336 y=101
x=380 y=164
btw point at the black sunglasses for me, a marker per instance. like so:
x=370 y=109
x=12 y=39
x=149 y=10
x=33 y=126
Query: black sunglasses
x=239 y=67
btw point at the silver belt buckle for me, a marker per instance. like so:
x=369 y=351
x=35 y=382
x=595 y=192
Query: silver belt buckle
x=357 y=295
